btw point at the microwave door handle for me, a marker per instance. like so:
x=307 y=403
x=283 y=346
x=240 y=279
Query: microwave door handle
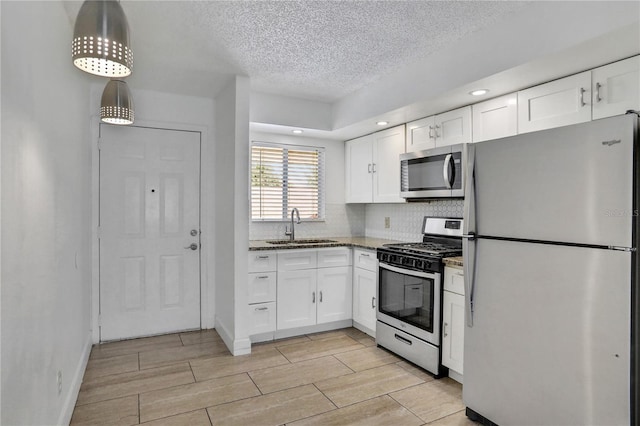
x=445 y=171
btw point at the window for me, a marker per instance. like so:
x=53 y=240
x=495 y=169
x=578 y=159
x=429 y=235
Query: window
x=284 y=177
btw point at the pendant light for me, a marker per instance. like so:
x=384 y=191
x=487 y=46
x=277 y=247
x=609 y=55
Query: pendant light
x=101 y=39
x=116 y=106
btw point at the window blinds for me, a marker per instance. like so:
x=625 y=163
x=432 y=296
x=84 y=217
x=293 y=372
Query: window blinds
x=284 y=177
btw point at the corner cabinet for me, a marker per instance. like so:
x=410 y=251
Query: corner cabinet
x=365 y=287
x=372 y=167
x=444 y=129
x=453 y=320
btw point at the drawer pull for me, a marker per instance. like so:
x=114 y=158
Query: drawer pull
x=264 y=308
x=263 y=277
x=373 y=303
x=262 y=257
x=403 y=340
x=365 y=254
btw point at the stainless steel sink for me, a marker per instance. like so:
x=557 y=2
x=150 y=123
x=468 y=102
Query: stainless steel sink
x=294 y=242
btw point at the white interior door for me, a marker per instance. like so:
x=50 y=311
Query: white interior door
x=149 y=216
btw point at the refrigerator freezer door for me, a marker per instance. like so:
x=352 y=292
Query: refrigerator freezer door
x=550 y=338
x=571 y=184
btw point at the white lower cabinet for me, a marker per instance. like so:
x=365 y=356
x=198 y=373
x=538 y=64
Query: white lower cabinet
x=453 y=320
x=365 y=284
x=261 y=286
x=262 y=318
x=314 y=295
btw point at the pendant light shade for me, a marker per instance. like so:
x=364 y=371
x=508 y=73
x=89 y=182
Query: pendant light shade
x=116 y=106
x=101 y=39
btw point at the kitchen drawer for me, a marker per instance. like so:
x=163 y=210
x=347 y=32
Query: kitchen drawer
x=262 y=261
x=330 y=257
x=262 y=318
x=262 y=287
x=292 y=260
x=453 y=280
x=365 y=259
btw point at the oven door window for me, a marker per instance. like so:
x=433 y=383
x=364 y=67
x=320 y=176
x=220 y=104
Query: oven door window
x=407 y=298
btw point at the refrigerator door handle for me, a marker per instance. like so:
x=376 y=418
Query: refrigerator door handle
x=469 y=235
x=445 y=171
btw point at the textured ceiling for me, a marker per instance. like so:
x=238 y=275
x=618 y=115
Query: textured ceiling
x=319 y=50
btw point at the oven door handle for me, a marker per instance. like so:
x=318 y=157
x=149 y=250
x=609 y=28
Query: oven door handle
x=407 y=271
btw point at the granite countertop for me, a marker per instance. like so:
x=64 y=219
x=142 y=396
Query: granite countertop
x=359 y=242
x=453 y=261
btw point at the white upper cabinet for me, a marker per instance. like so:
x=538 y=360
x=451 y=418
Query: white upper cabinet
x=495 y=118
x=421 y=134
x=448 y=128
x=358 y=159
x=616 y=88
x=557 y=103
x=372 y=166
x=453 y=127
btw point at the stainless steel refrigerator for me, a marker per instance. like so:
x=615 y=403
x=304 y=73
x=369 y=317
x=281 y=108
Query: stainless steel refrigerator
x=551 y=274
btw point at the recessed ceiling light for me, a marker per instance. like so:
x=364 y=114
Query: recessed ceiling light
x=382 y=123
x=479 y=92
x=297 y=131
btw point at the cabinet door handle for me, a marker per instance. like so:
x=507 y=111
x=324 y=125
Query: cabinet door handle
x=321 y=297
x=444 y=329
x=373 y=303
x=582 y=102
x=437 y=134
x=431 y=136
x=369 y=168
x=373 y=168
x=313 y=297
x=598 y=86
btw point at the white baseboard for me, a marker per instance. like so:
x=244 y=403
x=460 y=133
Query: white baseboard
x=364 y=329
x=456 y=376
x=74 y=389
x=318 y=328
x=235 y=346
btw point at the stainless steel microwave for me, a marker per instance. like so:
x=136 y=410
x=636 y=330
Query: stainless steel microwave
x=434 y=173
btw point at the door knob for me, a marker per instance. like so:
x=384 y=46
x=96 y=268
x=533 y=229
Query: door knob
x=193 y=246
x=194 y=232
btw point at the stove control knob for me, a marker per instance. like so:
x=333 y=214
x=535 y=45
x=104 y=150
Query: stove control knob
x=419 y=264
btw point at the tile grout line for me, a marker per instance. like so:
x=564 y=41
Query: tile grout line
x=407 y=408
x=341 y=362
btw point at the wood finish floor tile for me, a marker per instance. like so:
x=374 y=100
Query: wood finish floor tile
x=457 y=419
x=364 y=359
x=367 y=384
x=297 y=374
x=195 y=396
x=433 y=400
x=98 y=367
x=210 y=368
x=381 y=411
x=272 y=409
x=121 y=411
x=319 y=348
x=194 y=418
x=124 y=347
x=200 y=336
x=118 y=385
x=416 y=371
x=182 y=353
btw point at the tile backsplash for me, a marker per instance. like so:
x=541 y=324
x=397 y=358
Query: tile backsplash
x=341 y=220
x=345 y=220
x=405 y=220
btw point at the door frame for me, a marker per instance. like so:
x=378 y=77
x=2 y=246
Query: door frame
x=207 y=290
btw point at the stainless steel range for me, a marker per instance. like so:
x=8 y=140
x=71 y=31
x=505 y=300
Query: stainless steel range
x=410 y=293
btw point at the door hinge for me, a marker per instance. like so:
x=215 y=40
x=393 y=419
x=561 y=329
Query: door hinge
x=99 y=232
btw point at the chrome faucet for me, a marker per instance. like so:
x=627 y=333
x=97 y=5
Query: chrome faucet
x=292 y=232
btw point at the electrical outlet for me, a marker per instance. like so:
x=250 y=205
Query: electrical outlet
x=59 y=382
x=387 y=222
